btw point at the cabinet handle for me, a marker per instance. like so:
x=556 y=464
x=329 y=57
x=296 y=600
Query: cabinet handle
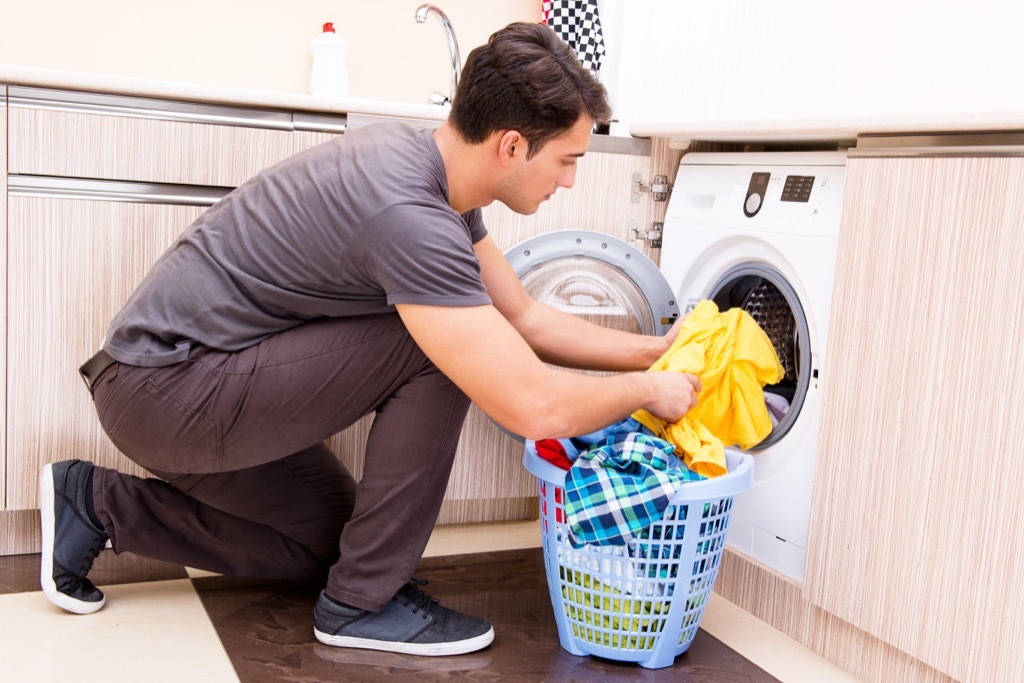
x=172 y=110
x=114 y=190
x=939 y=145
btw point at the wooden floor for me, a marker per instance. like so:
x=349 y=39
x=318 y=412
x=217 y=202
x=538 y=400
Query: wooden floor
x=165 y=622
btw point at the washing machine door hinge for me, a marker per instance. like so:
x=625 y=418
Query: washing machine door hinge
x=659 y=188
x=652 y=236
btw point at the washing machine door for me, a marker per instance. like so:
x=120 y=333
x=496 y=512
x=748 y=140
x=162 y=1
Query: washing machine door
x=596 y=277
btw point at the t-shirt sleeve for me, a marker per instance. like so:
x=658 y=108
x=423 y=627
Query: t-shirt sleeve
x=475 y=221
x=423 y=255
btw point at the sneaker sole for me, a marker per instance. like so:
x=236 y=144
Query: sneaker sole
x=49 y=522
x=458 y=647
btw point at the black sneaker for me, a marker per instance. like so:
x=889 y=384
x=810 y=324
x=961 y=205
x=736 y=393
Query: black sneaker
x=70 y=540
x=412 y=623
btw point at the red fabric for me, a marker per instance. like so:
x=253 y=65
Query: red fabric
x=553 y=451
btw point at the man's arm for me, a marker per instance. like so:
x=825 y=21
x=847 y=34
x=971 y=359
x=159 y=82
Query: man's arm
x=484 y=355
x=497 y=354
x=557 y=337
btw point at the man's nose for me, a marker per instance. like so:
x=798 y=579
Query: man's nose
x=568 y=179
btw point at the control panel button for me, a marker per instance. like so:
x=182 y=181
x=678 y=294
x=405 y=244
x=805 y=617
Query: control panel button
x=797 y=188
x=752 y=205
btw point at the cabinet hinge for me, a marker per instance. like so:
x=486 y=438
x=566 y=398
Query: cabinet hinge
x=659 y=188
x=652 y=236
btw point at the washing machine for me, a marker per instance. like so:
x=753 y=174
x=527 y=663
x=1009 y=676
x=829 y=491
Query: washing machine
x=757 y=231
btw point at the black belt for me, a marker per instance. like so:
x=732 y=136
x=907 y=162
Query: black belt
x=94 y=368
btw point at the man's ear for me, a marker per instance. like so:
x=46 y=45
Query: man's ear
x=511 y=145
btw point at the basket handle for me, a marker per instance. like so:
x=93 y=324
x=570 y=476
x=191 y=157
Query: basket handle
x=541 y=468
x=739 y=477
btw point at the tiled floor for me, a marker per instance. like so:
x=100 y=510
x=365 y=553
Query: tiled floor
x=167 y=623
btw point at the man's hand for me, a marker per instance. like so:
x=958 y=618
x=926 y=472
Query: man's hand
x=675 y=394
x=670 y=337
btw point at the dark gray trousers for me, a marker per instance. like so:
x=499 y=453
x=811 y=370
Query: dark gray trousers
x=250 y=489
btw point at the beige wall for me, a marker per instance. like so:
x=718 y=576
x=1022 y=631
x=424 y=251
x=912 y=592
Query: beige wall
x=258 y=44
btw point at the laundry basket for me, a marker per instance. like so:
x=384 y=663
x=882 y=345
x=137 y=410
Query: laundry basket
x=641 y=602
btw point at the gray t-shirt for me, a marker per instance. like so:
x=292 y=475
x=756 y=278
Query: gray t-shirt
x=350 y=227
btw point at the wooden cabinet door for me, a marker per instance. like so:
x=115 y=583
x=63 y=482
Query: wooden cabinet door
x=3 y=289
x=918 y=516
x=85 y=145
x=72 y=265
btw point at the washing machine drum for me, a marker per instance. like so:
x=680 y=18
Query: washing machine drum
x=771 y=301
x=768 y=306
x=598 y=278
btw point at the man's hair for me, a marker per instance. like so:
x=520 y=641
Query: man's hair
x=526 y=79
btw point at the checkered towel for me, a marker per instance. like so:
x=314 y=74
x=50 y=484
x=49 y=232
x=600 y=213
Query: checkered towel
x=578 y=24
x=616 y=489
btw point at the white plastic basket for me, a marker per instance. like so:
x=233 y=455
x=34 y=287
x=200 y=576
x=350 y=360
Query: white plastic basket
x=642 y=602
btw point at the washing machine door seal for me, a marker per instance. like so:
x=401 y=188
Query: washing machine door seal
x=598 y=277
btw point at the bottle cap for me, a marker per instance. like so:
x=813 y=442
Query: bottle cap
x=329 y=27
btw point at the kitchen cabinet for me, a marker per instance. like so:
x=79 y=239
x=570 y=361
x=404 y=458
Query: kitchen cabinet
x=918 y=523
x=147 y=150
x=803 y=66
x=72 y=264
x=917 y=526
x=75 y=134
x=94 y=189
x=4 y=525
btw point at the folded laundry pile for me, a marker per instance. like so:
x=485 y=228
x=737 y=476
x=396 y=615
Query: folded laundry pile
x=621 y=479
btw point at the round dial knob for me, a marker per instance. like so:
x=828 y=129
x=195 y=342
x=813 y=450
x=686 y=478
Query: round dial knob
x=753 y=203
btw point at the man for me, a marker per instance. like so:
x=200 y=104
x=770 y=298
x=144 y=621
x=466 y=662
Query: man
x=354 y=278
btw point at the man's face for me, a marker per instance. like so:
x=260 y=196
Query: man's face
x=534 y=181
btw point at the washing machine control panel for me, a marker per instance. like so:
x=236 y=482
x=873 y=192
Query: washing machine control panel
x=769 y=193
x=795 y=188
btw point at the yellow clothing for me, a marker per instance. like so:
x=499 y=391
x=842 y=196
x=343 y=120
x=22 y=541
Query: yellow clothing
x=734 y=359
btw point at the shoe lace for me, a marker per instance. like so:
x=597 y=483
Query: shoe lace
x=412 y=595
x=95 y=546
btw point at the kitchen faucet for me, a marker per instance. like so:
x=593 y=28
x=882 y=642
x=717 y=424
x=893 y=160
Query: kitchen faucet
x=453 y=50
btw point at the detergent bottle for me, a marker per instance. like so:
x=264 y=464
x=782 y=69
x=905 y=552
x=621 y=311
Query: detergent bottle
x=329 y=77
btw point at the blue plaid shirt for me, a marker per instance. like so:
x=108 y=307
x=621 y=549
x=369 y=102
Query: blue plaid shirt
x=618 y=486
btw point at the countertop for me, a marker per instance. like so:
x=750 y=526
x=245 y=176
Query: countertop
x=836 y=129
x=212 y=94
x=843 y=129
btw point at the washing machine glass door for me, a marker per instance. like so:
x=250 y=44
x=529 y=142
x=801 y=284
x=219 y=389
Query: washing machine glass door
x=596 y=277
